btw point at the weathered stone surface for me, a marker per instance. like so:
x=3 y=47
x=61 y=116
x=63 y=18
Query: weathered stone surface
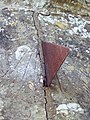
x=22 y=95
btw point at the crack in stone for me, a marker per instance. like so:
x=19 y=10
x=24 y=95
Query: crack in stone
x=46 y=105
x=39 y=49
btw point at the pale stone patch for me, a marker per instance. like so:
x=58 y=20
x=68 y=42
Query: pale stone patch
x=21 y=50
x=62 y=108
x=39 y=4
x=75 y=107
x=79 y=26
x=31 y=85
x=41 y=79
x=69 y=108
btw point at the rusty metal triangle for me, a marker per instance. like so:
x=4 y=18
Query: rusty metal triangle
x=54 y=56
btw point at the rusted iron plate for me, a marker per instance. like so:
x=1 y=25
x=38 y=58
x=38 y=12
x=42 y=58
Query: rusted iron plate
x=54 y=56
